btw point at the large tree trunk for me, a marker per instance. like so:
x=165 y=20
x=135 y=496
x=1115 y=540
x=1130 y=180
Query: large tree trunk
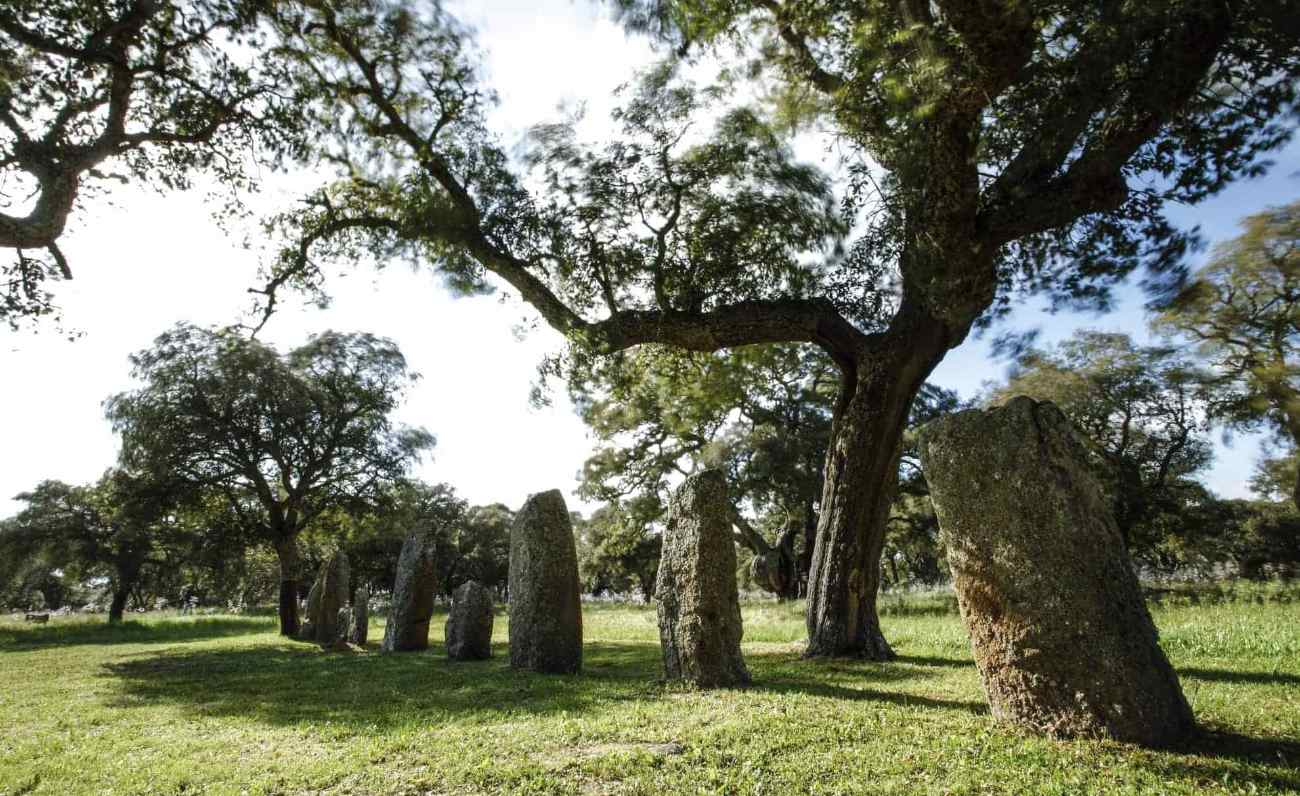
x=861 y=477
x=128 y=575
x=118 y=607
x=290 y=580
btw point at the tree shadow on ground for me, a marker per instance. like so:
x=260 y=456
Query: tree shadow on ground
x=934 y=660
x=291 y=683
x=1215 y=755
x=298 y=683
x=26 y=638
x=1229 y=676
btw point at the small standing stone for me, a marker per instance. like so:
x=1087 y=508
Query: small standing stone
x=698 y=602
x=360 y=629
x=469 y=623
x=307 y=631
x=1061 y=634
x=407 y=629
x=545 y=611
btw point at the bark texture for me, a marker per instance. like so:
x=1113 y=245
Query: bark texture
x=698 y=603
x=360 y=629
x=117 y=608
x=469 y=623
x=290 y=581
x=1062 y=638
x=545 y=611
x=407 y=629
x=861 y=478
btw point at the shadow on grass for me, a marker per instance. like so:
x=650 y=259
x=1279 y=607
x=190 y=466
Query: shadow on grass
x=934 y=660
x=291 y=683
x=1229 y=676
x=1222 y=756
x=296 y=683
x=24 y=638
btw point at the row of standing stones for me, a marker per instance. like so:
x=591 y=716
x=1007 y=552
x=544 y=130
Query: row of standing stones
x=1061 y=635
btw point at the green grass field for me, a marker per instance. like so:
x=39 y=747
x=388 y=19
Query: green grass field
x=222 y=705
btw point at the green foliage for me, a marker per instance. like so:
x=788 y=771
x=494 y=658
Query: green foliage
x=617 y=553
x=1054 y=94
x=124 y=91
x=763 y=414
x=280 y=439
x=1243 y=309
x=1143 y=409
x=122 y=529
x=470 y=542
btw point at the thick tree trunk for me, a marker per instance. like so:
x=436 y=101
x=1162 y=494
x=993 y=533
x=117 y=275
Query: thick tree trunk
x=117 y=608
x=290 y=579
x=128 y=576
x=861 y=477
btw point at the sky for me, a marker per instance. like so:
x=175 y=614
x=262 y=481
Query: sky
x=143 y=262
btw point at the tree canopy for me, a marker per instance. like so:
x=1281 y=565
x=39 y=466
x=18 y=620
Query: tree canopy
x=146 y=91
x=281 y=438
x=1143 y=409
x=998 y=147
x=1243 y=309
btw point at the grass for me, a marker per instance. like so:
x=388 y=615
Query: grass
x=222 y=705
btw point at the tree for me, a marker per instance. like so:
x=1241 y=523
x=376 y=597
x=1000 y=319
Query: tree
x=1143 y=409
x=119 y=527
x=616 y=552
x=470 y=542
x=282 y=439
x=1243 y=308
x=761 y=413
x=997 y=147
x=153 y=91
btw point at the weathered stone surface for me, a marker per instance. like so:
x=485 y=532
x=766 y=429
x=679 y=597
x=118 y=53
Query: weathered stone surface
x=333 y=583
x=545 y=612
x=698 y=602
x=1061 y=634
x=469 y=623
x=407 y=629
x=307 y=631
x=360 y=626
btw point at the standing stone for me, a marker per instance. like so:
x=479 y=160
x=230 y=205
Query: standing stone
x=307 y=631
x=408 y=619
x=1060 y=632
x=469 y=623
x=333 y=582
x=360 y=629
x=698 y=602
x=545 y=612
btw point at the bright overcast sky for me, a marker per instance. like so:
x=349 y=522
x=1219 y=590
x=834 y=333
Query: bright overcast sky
x=146 y=262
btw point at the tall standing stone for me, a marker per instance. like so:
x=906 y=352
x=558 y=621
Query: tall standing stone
x=407 y=628
x=360 y=629
x=698 y=602
x=307 y=630
x=469 y=623
x=545 y=611
x=333 y=582
x=1061 y=635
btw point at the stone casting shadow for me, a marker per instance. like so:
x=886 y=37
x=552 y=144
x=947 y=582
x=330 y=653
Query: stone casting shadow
x=295 y=682
x=1229 y=676
x=286 y=685
x=1218 y=756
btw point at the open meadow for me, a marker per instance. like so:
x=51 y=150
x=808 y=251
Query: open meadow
x=223 y=705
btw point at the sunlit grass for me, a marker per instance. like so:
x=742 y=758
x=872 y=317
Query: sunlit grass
x=223 y=705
